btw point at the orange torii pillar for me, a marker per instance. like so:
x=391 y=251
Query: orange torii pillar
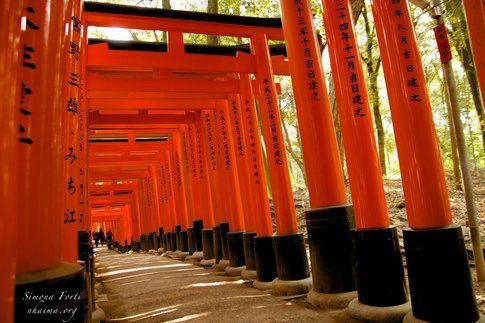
x=230 y=182
x=179 y=191
x=197 y=222
x=40 y=214
x=289 y=247
x=70 y=137
x=190 y=186
x=214 y=174
x=327 y=221
x=207 y=235
x=475 y=19
x=164 y=219
x=10 y=17
x=264 y=258
x=379 y=268
x=174 y=240
x=170 y=218
x=83 y=131
x=156 y=201
x=248 y=267
x=439 y=276
x=177 y=194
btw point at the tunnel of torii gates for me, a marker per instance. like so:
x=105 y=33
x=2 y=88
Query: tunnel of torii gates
x=161 y=144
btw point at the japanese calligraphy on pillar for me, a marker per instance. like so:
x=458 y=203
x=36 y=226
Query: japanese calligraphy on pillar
x=185 y=152
x=252 y=132
x=409 y=54
x=237 y=128
x=71 y=121
x=29 y=65
x=192 y=151
x=178 y=167
x=199 y=152
x=268 y=96
x=169 y=180
x=310 y=61
x=225 y=142
x=349 y=52
x=210 y=137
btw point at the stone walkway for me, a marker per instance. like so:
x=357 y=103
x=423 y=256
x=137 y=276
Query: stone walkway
x=149 y=288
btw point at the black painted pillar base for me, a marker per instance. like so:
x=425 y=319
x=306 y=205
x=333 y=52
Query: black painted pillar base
x=136 y=246
x=216 y=232
x=161 y=237
x=198 y=226
x=248 y=241
x=331 y=250
x=440 y=281
x=83 y=249
x=178 y=228
x=173 y=238
x=65 y=288
x=265 y=262
x=224 y=227
x=291 y=265
x=151 y=240
x=235 y=246
x=191 y=240
x=168 y=237
x=379 y=267
x=184 y=247
x=208 y=244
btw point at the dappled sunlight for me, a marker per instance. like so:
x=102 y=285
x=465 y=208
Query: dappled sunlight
x=237 y=282
x=137 y=317
x=117 y=272
x=247 y=296
x=135 y=282
x=132 y=276
x=189 y=317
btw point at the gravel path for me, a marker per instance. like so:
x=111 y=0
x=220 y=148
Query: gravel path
x=149 y=288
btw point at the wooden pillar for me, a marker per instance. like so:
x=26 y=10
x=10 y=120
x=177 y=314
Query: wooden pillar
x=434 y=246
x=273 y=139
x=10 y=17
x=475 y=18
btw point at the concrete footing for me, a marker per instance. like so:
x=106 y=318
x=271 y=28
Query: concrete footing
x=152 y=252
x=249 y=274
x=207 y=262
x=234 y=271
x=223 y=263
x=98 y=314
x=410 y=318
x=262 y=285
x=386 y=314
x=196 y=257
x=160 y=251
x=291 y=287
x=179 y=255
x=331 y=301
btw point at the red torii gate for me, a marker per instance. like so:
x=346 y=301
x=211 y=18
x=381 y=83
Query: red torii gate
x=63 y=98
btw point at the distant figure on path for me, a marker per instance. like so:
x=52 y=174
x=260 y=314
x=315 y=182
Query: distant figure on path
x=109 y=236
x=96 y=238
x=101 y=236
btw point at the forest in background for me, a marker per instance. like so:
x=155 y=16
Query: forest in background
x=472 y=112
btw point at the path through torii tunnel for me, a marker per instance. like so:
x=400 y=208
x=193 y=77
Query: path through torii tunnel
x=176 y=153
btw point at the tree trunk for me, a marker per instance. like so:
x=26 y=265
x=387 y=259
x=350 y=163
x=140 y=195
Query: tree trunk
x=458 y=26
x=373 y=65
x=212 y=7
x=454 y=151
x=289 y=147
x=165 y=5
